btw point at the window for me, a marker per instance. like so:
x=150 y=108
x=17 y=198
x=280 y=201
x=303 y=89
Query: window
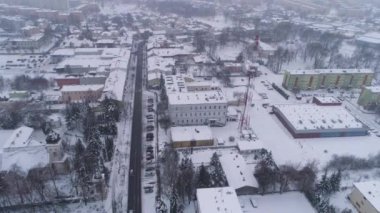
x=214 y=107
x=219 y=107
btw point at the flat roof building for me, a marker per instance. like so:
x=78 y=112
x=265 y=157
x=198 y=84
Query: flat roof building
x=238 y=175
x=191 y=136
x=313 y=121
x=326 y=101
x=218 y=200
x=369 y=97
x=327 y=78
x=366 y=196
x=198 y=108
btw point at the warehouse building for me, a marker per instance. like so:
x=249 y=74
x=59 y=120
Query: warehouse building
x=313 y=121
x=327 y=79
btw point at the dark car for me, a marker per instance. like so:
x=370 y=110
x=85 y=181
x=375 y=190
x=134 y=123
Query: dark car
x=150 y=135
x=150 y=100
x=150 y=110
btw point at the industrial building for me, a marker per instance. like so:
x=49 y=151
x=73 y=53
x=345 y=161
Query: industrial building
x=313 y=121
x=327 y=79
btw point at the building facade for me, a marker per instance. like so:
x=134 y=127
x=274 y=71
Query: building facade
x=198 y=108
x=369 y=97
x=81 y=93
x=365 y=196
x=327 y=78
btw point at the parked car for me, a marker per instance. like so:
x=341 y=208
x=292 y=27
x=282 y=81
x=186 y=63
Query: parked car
x=150 y=110
x=150 y=100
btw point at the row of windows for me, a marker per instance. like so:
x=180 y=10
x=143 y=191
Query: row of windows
x=198 y=114
x=205 y=107
x=192 y=121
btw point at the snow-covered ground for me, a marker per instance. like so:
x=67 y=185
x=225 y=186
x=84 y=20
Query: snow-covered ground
x=218 y=22
x=347 y=50
x=285 y=148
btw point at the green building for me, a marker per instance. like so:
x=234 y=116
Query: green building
x=369 y=97
x=327 y=78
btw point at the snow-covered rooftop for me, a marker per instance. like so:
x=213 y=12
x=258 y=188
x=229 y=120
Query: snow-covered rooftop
x=372 y=37
x=114 y=85
x=327 y=100
x=218 y=200
x=237 y=172
x=203 y=97
x=327 y=71
x=171 y=52
x=289 y=202
x=25 y=159
x=63 y=52
x=250 y=145
x=79 y=88
x=371 y=192
x=191 y=133
x=160 y=63
x=266 y=47
x=21 y=137
x=313 y=117
x=374 y=89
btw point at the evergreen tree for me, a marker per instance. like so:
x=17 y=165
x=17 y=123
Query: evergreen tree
x=173 y=203
x=218 y=178
x=52 y=137
x=203 y=178
x=109 y=148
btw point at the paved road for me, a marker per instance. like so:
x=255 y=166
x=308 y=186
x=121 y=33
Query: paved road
x=134 y=189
